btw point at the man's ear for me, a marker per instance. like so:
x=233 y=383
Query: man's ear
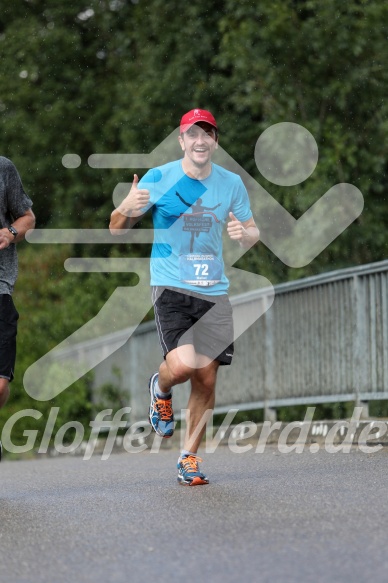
x=181 y=143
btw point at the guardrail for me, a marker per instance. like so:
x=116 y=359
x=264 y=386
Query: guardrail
x=325 y=339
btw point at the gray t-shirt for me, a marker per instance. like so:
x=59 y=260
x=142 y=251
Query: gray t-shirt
x=14 y=202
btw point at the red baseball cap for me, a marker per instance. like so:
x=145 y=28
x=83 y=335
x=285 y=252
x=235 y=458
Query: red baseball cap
x=194 y=116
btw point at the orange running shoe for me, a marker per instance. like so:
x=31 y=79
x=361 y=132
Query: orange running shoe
x=161 y=415
x=188 y=471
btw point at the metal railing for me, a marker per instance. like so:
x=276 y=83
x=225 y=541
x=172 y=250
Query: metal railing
x=325 y=339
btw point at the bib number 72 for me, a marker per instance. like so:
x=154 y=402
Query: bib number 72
x=201 y=269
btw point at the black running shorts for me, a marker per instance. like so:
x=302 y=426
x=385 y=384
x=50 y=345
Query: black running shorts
x=185 y=317
x=8 y=329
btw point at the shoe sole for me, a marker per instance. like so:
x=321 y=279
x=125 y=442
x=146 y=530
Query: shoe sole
x=197 y=481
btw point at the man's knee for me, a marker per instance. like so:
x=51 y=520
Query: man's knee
x=181 y=363
x=206 y=378
x=179 y=372
x=207 y=386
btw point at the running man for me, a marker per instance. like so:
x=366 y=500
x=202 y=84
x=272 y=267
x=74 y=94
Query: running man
x=189 y=287
x=16 y=218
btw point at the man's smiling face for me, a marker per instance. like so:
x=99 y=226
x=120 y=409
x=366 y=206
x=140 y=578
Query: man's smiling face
x=198 y=143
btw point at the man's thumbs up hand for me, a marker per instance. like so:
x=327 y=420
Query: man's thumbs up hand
x=235 y=229
x=136 y=201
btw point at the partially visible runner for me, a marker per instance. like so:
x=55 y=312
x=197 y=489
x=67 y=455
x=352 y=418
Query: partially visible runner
x=192 y=199
x=16 y=218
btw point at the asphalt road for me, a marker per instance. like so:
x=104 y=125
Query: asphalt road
x=267 y=517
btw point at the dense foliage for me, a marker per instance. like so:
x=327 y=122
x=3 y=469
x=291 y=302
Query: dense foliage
x=115 y=76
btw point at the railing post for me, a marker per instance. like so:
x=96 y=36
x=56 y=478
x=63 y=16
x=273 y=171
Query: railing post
x=269 y=412
x=359 y=330
x=365 y=408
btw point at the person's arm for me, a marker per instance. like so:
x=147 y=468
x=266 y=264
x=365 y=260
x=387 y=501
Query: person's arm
x=22 y=224
x=246 y=233
x=127 y=214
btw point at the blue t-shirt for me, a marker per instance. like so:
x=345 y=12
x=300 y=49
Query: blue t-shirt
x=188 y=217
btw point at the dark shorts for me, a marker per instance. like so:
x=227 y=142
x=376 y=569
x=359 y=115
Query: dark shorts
x=8 y=329
x=184 y=317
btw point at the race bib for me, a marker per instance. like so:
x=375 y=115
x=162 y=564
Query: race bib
x=200 y=269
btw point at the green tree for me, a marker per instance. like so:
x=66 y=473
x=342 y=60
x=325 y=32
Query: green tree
x=115 y=76
x=321 y=65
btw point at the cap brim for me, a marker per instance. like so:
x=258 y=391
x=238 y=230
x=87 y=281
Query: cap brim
x=187 y=126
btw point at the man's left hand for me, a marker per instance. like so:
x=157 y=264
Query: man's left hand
x=235 y=229
x=247 y=234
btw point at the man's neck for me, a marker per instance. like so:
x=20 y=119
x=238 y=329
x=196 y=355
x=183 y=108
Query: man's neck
x=197 y=172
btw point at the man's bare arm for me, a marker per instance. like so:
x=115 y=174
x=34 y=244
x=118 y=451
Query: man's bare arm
x=22 y=225
x=127 y=214
x=246 y=233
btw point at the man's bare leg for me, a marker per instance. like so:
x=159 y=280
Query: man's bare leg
x=4 y=391
x=184 y=364
x=203 y=376
x=178 y=367
x=201 y=403
x=4 y=394
x=171 y=372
